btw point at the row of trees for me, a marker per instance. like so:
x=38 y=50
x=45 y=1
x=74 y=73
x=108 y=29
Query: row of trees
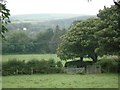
x=42 y=42
x=92 y=37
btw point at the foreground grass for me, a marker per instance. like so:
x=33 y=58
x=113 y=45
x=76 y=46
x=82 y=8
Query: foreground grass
x=61 y=81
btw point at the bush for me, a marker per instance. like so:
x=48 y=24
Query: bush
x=108 y=65
x=34 y=63
x=33 y=66
x=12 y=67
x=51 y=63
x=59 y=64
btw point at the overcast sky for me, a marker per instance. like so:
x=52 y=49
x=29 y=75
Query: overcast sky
x=57 y=6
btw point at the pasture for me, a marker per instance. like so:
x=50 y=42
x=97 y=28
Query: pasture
x=27 y=57
x=61 y=81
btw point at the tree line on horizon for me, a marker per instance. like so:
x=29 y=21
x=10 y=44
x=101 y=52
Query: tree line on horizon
x=24 y=42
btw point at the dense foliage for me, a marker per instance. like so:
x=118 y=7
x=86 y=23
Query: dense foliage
x=34 y=66
x=80 y=40
x=109 y=30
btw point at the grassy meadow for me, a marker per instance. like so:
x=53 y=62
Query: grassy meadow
x=61 y=81
x=27 y=57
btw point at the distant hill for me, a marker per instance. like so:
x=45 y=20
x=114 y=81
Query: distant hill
x=65 y=22
x=44 y=17
x=41 y=22
x=40 y=17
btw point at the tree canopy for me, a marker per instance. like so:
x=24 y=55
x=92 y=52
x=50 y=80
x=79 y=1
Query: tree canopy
x=80 y=40
x=109 y=30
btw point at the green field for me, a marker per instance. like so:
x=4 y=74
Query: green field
x=40 y=56
x=27 y=57
x=61 y=81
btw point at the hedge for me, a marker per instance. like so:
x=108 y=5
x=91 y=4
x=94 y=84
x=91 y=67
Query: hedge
x=34 y=66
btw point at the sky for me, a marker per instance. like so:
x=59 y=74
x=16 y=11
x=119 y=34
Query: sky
x=81 y=7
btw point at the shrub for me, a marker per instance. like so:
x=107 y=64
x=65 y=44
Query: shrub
x=59 y=64
x=108 y=65
x=34 y=63
x=60 y=67
x=33 y=66
x=5 y=69
x=12 y=67
x=51 y=63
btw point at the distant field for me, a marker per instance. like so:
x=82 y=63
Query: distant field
x=61 y=81
x=27 y=57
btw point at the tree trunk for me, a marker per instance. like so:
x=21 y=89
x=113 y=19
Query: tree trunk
x=81 y=59
x=94 y=57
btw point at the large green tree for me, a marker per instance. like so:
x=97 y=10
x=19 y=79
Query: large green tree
x=80 y=40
